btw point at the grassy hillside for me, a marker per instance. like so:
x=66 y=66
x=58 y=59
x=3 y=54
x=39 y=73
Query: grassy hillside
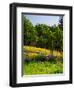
x=41 y=61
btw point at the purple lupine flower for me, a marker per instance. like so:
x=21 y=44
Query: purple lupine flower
x=49 y=57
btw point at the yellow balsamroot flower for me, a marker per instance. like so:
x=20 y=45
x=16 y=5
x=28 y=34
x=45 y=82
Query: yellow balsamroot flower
x=57 y=54
x=36 y=50
x=30 y=55
x=45 y=52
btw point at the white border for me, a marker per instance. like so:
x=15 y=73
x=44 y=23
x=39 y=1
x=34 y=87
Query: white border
x=50 y=77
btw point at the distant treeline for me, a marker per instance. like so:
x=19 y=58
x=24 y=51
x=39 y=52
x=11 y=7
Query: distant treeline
x=43 y=36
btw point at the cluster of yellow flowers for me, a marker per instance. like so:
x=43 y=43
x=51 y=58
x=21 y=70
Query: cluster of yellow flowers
x=30 y=55
x=31 y=52
x=32 y=49
x=57 y=54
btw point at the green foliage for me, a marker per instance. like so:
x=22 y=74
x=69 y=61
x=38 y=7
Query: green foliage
x=42 y=35
x=29 y=33
x=56 y=38
x=40 y=58
x=42 y=68
x=42 y=65
x=37 y=58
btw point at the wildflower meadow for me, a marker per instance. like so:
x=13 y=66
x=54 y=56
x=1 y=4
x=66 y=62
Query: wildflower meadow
x=42 y=45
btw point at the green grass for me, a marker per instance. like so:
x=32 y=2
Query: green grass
x=46 y=67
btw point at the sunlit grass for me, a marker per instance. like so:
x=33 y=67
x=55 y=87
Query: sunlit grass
x=46 y=67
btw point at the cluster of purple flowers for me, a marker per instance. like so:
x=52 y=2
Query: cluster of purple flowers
x=49 y=57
